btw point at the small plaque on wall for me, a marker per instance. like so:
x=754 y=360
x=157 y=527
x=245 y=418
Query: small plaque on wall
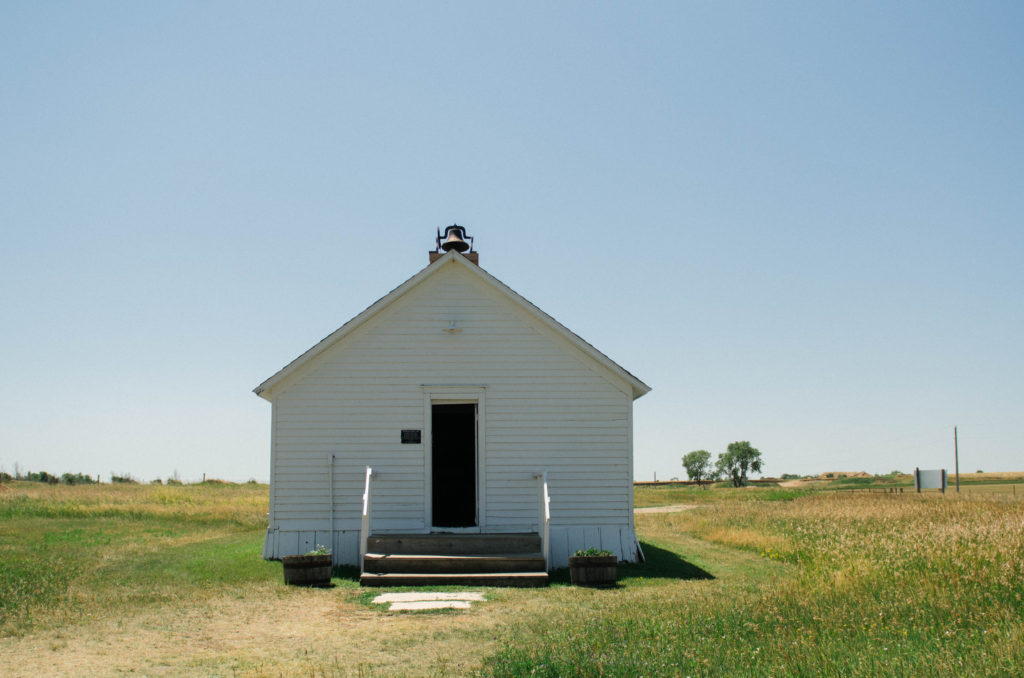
x=410 y=437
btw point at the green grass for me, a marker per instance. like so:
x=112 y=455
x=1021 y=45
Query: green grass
x=71 y=553
x=983 y=481
x=873 y=482
x=666 y=495
x=753 y=582
x=649 y=495
x=845 y=585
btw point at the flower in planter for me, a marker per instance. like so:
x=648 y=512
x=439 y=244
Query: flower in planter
x=592 y=552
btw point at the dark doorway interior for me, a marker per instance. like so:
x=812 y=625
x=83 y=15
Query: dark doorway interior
x=453 y=467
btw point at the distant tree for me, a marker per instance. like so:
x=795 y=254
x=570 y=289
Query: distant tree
x=76 y=479
x=698 y=465
x=739 y=458
x=791 y=476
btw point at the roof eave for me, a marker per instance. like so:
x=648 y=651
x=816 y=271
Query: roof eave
x=263 y=390
x=637 y=387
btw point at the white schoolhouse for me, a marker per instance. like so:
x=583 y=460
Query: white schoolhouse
x=450 y=412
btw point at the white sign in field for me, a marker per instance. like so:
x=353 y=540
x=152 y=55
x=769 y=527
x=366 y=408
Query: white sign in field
x=934 y=479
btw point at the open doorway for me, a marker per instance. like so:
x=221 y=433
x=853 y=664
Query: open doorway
x=453 y=465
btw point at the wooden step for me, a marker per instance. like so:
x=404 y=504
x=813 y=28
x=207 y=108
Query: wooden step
x=454 y=544
x=381 y=563
x=459 y=579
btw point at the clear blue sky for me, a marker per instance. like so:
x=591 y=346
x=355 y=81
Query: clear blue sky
x=801 y=223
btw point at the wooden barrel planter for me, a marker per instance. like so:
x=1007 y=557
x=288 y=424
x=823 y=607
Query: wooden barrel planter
x=307 y=570
x=593 y=570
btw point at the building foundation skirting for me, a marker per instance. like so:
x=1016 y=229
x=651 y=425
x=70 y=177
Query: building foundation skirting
x=564 y=542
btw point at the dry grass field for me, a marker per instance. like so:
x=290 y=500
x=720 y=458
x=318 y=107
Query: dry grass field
x=150 y=580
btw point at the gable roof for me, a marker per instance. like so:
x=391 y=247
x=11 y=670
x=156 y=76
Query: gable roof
x=451 y=258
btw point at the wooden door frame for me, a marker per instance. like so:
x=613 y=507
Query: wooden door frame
x=454 y=394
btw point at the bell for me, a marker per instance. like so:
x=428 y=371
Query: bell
x=455 y=239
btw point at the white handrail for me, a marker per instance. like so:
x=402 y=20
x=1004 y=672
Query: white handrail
x=544 y=514
x=364 y=536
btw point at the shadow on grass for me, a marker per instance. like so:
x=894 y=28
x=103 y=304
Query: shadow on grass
x=659 y=564
x=348 y=573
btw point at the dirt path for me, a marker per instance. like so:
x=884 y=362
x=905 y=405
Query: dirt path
x=261 y=633
x=671 y=508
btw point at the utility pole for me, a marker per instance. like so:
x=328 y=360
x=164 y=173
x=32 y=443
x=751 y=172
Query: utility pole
x=956 y=460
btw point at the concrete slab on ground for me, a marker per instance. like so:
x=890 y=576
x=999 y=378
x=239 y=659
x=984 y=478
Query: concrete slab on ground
x=432 y=605
x=428 y=595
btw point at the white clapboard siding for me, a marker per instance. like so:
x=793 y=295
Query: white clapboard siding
x=548 y=406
